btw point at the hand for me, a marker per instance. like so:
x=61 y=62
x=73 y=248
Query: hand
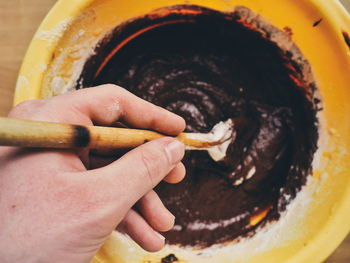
x=52 y=209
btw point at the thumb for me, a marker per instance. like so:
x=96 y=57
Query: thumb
x=141 y=169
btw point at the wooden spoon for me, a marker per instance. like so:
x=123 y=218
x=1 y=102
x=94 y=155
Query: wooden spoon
x=26 y=133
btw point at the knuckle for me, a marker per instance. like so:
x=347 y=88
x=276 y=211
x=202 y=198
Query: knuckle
x=114 y=92
x=154 y=123
x=153 y=163
x=115 y=89
x=114 y=107
x=120 y=92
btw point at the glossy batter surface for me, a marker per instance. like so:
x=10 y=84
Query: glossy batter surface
x=207 y=67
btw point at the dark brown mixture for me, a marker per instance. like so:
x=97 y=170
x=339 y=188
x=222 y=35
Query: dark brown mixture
x=209 y=66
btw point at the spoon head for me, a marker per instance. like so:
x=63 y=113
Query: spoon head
x=219 y=138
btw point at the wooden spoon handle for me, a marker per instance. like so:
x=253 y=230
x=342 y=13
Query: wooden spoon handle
x=26 y=133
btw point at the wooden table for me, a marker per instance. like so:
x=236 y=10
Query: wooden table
x=18 y=22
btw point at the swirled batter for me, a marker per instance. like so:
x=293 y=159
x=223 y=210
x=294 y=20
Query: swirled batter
x=208 y=67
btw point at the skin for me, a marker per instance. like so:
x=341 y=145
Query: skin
x=54 y=209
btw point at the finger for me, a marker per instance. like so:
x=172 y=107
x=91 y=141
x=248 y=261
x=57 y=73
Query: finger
x=155 y=213
x=141 y=232
x=140 y=170
x=176 y=175
x=106 y=104
x=102 y=105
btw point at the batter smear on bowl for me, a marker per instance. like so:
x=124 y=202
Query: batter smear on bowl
x=209 y=66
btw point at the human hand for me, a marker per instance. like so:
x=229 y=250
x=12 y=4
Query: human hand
x=52 y=209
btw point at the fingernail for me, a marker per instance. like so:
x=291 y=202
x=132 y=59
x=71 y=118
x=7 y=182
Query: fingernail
x=160 y=236
x=175 y=151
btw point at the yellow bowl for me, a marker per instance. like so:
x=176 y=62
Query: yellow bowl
x=319 y=218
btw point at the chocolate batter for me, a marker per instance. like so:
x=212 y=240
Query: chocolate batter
x=207 y=67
